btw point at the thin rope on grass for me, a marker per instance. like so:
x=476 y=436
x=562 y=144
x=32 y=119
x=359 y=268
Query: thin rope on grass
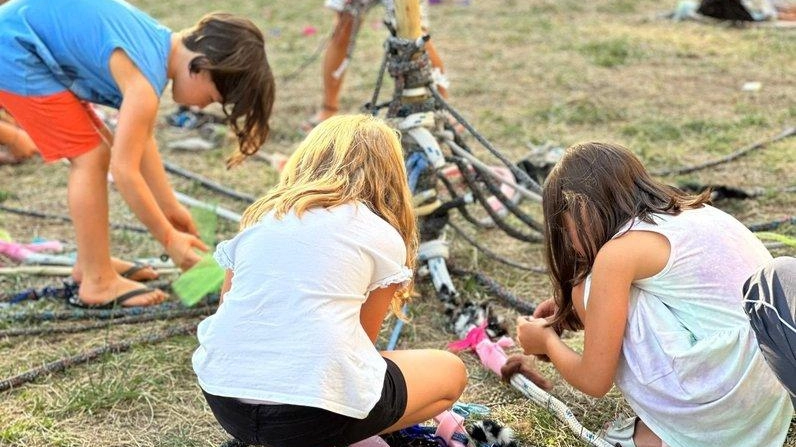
x=773 y=224
x=496 y=290
x=489 y=253
x=81 y=314
x=134 y=319
x=208 y=184
x=62 y=364
x=788 y=132
x=64 y=218
x=307 y=61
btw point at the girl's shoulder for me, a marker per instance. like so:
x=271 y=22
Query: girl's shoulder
x=642 y=254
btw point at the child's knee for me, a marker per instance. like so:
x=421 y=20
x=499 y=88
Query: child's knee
x=456 y=373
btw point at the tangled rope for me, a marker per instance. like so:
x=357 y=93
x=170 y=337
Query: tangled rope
x=489 y=253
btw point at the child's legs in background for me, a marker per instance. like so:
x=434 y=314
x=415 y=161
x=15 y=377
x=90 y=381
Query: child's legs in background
x=332 y=60
x=770 y=303
x=434 y=381
x=64 y=127
x=16 y=139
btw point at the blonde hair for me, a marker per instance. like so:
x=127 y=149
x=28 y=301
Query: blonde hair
x=348 y=158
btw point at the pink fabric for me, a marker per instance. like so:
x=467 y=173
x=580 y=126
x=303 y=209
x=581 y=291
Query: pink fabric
x=449 y=423
x=18 y=252
x=491 y=353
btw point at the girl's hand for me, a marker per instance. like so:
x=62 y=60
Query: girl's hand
x=533 y=335
x=180 y=217
x=180 y=248
x=522 y=364
x=546 y=308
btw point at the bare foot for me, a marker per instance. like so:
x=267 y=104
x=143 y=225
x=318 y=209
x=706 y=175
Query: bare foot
x=126 y=269
x=95 y=294
x=325 y=112
x=6 y=158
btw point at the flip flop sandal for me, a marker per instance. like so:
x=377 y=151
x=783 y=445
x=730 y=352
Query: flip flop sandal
x=116 y=302
x=135 y=268
x=619 y=432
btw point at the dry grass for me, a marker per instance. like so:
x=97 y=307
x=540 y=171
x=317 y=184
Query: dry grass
x=522 y=72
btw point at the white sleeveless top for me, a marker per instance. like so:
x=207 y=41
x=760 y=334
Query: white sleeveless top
x=288 y=330
x=690 y=364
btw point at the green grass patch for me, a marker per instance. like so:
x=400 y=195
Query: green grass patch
x=653 y=130
x=95 y=396
x=24 y=432
x=580 y=112
x=619 y=7
x=610 y=53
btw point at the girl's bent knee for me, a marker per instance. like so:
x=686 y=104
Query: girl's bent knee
x=456 y=372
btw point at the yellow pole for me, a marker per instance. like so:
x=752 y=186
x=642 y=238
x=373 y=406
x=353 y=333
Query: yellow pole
x=407 y=17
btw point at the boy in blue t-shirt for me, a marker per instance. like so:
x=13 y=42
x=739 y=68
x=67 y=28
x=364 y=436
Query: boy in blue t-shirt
x=59 y=56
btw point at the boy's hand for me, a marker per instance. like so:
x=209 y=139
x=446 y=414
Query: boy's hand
x=181 y=218
x=181 y=249
x=521 y=364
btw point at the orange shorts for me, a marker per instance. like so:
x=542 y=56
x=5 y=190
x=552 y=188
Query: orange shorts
x=61 y=125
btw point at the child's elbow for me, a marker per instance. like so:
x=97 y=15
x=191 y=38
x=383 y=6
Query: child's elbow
x=597 y=388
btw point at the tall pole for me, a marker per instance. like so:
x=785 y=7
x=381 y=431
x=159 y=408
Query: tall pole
x=407 y=16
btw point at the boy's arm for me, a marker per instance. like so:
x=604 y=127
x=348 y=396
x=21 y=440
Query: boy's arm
x=133 y=137
x=155 y=176
x=375 y=308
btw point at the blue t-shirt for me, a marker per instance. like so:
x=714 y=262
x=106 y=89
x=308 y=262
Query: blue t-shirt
x=49 y=46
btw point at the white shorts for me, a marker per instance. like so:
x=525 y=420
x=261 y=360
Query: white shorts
x=339 y=6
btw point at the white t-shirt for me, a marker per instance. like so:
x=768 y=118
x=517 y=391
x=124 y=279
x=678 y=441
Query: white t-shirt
x=288 y=330
x=690 y=364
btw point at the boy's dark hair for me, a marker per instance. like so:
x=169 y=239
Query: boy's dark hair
x=233 y=50
x=602 y=187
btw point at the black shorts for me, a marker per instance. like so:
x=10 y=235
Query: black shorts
x=297 y=426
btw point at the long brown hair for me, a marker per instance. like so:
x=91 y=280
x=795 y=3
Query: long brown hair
x=233 y=51
x=602 y=187
x=345 y=159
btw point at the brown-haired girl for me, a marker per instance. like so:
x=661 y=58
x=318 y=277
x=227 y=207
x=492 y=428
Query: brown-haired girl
x=654 y=277
x=59 y=56
x=289 y=357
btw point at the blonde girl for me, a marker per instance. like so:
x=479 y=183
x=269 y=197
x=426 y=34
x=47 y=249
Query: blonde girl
x=654 y=277
x=289 y=358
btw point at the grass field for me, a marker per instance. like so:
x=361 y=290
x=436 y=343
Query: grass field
x=522 y=72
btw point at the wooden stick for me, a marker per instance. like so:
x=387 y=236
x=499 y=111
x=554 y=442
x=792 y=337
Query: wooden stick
x=407 y=17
